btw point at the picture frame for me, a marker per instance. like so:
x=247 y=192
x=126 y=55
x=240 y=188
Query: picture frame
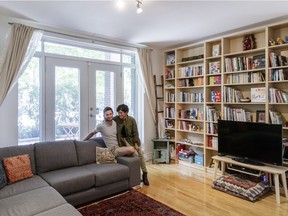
x=216 y=50
x=260 y=116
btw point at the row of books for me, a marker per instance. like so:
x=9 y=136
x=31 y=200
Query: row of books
x=212 y=114
x=170 y=97
x=169 y=112
x=191 y=97
x=212 y=128
x=232 y=95
x=169 y=73
x=236 y=114
x=199 y=81
x=277 y=96
x=279 y=75
x=214 y=80
x=244 y=63
x=192 y=113
x=188 y=126
x=277 y=60
x=190 y=71
x=212 y=142
x=275 y=117
x=185 y=82
x=250 y=77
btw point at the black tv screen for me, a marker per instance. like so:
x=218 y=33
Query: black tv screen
x=250 y=141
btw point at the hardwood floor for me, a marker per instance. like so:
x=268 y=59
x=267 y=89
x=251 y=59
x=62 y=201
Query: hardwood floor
x=189 y=191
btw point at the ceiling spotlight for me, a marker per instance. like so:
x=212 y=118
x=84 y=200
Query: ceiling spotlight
x=120 y=3
x=139 y=9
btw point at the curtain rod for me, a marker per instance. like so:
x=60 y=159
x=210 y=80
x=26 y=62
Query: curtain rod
x=87 y=37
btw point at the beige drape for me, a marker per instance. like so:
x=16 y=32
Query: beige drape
x=17 y=48
x=147 y=76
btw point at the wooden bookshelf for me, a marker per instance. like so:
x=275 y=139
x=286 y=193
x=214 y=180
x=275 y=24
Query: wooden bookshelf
x=206 y=73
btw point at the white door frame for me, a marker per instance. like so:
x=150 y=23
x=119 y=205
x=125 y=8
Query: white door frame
x=87 y=93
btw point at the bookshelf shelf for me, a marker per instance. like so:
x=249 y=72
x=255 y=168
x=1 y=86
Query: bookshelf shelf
x=252 y=69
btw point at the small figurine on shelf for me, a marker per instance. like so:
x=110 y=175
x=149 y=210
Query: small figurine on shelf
x=249 y=42
x=272 y=42
x=280 y=41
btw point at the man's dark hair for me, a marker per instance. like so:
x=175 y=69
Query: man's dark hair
x=123 y=108
x=107 y=109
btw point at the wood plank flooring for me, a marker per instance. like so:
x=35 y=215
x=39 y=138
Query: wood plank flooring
x=189 y=191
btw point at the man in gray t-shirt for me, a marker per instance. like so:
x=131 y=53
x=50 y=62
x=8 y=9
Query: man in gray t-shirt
x=108 y=130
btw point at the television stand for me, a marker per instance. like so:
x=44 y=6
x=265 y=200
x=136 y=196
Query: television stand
x=245 y=170
x=247 y=161
x=276 y=171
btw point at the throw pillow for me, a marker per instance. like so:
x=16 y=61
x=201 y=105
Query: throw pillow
x=104 y=155
x=3 y=178
x=17 y=168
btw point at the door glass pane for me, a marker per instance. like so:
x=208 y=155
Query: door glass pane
x=129 y=89
x=105 y=92
x=67 y=103
x=28 y=104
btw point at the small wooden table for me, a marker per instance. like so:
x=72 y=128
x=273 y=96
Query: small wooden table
x=274 y=170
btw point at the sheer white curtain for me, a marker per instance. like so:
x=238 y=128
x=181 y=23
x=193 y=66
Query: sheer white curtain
x=146 y=77
x=21 y=48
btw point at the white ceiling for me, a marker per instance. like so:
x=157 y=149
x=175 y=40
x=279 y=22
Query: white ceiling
x=162 y=24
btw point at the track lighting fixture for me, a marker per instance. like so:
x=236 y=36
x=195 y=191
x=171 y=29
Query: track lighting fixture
x=139 y=9
x=121 y=4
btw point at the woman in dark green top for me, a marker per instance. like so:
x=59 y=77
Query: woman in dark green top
x=127 y=135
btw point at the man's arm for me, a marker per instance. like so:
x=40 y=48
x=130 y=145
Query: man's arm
x=90 y=135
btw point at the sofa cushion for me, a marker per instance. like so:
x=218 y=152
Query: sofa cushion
x=19 y=150
x=108 y=173
x=63 y=210
x=23 y=186
x=3 y=178
x=55 y=155
x=104 y=155
x=17 y=168
x=31 y=202
x=86 y=150
x=70 y=180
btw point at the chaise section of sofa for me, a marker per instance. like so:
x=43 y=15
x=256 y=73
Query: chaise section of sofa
x=64 y=171
x=30 y=196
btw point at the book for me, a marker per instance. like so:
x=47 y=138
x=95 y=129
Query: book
x=214 y=67
x=216 y=50
x=275 y=117
x=258 y=61
x=258 y=94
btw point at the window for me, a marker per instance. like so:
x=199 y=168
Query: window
x=33 y=97
x=29 y=103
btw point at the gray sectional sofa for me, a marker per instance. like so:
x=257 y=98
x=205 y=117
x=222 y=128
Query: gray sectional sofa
x=65 y=176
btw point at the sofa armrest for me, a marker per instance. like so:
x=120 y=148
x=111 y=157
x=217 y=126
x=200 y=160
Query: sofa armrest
x=134 y=169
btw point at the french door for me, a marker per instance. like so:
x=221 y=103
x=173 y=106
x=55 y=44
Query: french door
x=76 y=93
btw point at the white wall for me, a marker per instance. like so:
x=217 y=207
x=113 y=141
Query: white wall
x=8 y=109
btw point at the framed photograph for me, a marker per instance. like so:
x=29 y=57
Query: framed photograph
x=216 y=50
x=260 y=116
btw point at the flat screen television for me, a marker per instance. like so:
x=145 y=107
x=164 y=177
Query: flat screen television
x=250 y=142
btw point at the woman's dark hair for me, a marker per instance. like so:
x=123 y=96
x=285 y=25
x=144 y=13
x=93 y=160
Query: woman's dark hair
x=107 y=109
x=123 y=108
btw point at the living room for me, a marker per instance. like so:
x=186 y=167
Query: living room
x=9 y=108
